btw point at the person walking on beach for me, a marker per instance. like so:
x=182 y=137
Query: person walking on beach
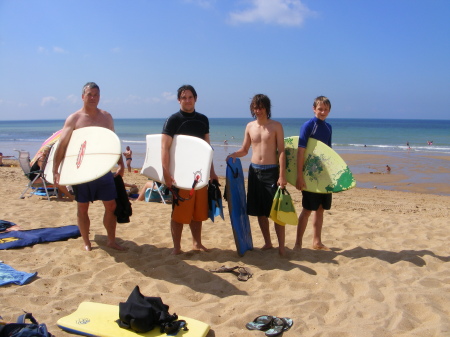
x=128 y=157
x=267 y=169
x=102 y=188
x=1 y=158
x=318 y=129
x=191 y=211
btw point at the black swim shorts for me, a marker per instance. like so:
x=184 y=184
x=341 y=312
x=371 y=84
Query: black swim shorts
x=262 y=186
x=311 y=201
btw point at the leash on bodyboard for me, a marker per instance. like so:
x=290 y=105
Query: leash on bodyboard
x=176 y=196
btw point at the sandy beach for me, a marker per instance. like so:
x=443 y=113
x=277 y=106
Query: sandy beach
x=387 y=274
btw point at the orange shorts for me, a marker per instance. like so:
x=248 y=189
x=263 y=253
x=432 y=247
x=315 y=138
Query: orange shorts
x=195 y=209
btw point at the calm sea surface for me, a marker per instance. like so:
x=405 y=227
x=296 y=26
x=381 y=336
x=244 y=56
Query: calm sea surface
x=377 y=136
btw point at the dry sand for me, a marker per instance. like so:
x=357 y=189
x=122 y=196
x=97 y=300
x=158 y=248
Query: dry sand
x=388 y=273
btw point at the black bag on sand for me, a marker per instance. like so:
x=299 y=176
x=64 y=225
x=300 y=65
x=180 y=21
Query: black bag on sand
x=22 y=329
x=141 y=314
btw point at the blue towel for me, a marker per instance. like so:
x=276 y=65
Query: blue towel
x=9 y=275
x=17 y=239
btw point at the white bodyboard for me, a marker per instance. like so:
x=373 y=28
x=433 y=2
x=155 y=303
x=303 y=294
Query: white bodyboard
x=91 y=153
x=190 y=158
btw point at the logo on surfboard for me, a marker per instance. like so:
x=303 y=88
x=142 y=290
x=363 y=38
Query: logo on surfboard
x=198 y=176
x=81 y=154
x=83 y=320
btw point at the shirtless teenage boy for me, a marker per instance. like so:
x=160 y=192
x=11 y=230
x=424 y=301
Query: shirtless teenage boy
x=267 y=170
x=102 y=188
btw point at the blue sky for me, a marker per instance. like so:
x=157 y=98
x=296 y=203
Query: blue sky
x=372 y=58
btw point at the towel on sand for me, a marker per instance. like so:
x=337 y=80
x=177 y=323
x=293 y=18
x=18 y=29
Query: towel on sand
x=9 y=275
x=17 y=239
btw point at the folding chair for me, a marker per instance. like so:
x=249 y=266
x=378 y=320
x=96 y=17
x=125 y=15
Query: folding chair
x=157 y=189
x=24 y=161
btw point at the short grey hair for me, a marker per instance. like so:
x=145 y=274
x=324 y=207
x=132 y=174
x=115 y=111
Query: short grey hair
x=90 y=85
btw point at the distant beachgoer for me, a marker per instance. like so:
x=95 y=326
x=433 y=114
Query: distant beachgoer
x=128 y=157
x=1 y=158
x=225 y=142
x=133 y=190
x=388 y=169
x=39 y=165
x=313 y=202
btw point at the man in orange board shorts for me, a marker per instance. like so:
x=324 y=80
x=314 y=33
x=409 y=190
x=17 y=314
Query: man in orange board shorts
x=194 y=210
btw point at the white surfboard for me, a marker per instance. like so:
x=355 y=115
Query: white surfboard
x=91 y=153
x=191 y=159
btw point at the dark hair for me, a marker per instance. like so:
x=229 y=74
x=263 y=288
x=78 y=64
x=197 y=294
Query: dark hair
x=261 y=101
x=322 y=99
x=184 y=88
x=90 y=85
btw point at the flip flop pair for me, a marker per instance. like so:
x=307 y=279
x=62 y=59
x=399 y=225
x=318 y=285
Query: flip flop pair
x=273 y=326
x=243 y=273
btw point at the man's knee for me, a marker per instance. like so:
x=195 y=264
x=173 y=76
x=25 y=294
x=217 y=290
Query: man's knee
x=110 y=206
x=82 y=208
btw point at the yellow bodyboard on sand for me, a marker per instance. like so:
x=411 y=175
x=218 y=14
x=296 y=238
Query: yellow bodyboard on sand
x=97 y=319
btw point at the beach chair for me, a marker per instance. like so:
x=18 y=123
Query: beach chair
x=24 y=161
x=155 y=194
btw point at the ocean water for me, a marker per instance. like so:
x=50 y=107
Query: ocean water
x=377 y=136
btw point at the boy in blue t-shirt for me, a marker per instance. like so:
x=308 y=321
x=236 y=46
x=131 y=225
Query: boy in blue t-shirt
x=313 y=202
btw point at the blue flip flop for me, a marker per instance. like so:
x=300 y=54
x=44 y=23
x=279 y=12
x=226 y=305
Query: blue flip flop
x=262 y=323
x=279 y=325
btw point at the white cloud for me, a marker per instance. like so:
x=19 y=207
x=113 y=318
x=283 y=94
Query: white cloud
x=59 y=50
x=168 y=96
x=116 y=50
x=164 y=97
x=133 y=99
x=42 y=50
x=73 y=99
x=48 y=100
x=279 y=12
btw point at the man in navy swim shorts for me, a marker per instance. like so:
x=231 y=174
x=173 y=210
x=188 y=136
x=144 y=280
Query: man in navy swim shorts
x=101 y=189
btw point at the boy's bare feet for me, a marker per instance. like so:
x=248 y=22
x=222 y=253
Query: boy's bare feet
x=321 y=247
x=201 y=248
x=116 y=246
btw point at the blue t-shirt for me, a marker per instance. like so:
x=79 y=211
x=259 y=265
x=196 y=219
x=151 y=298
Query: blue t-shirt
x=315 y=128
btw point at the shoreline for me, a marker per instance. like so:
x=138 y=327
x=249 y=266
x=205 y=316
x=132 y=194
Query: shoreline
x=411 y=172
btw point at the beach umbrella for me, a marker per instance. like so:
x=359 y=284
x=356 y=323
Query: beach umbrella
x=48 y=143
